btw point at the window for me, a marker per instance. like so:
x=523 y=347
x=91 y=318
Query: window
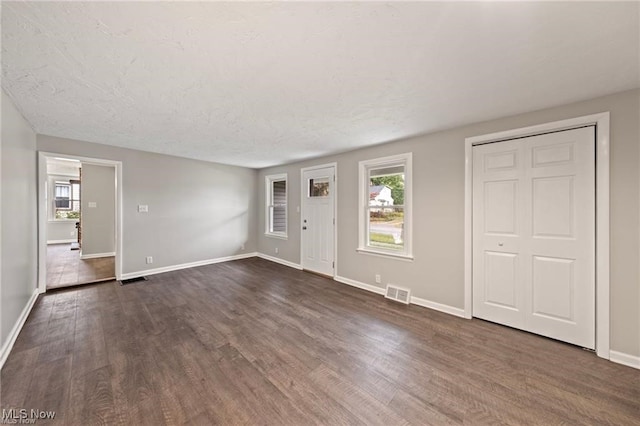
x=67 y=200
x=276 y=200
x=385 y=206
x=63 y=195
x=319 y=187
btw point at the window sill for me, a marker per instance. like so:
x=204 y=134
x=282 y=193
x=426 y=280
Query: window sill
x=405 y=257
x=278 y=236
x=63 y=220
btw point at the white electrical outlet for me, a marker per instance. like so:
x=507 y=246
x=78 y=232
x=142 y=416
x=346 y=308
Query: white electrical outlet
x=143 y=208
x=149 y=259
x=378 y=279
x=72 y=233
x=276 y=250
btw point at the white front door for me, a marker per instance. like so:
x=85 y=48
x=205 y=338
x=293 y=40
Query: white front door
x=534 y=234
x=318 y=197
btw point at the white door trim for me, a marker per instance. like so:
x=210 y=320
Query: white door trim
x=601 y=121
x=42 y=212
x=335 y=210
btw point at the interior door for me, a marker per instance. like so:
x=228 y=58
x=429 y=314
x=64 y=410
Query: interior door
x=318 y=222
x=76 y=185
x=534 y=234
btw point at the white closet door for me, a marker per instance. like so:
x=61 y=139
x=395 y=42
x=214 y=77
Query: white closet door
x=534 y=234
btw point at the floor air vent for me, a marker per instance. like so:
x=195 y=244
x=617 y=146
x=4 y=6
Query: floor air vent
x=133 y=280
x=402 y=295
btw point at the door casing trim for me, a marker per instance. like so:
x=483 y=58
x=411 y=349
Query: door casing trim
x=42 y=212
x=601 y=121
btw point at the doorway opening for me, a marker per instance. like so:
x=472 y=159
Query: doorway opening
x=79 y=217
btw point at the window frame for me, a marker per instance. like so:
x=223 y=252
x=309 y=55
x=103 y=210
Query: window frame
x=69 y=200
x=269 y=181
x=364 y=167
x=72 y=200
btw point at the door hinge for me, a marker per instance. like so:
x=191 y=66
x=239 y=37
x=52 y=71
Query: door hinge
x=334 y=220
x=333 y=265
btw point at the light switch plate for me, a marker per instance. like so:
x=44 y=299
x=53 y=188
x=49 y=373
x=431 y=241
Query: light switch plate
x=92 y=204
x=143 y=208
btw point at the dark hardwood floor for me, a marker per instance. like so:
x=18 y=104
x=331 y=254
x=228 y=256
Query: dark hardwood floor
x=65 y=268
x=253 y=342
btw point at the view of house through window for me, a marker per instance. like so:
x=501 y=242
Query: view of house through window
x=384 y=220
x=67 y=200
x=276 y=205
x=386 y=207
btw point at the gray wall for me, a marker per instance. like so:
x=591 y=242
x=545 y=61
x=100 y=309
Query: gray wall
x=437 y=273
x=62 y=230
x=197 y=210
x=18 y=252
x=98 y=223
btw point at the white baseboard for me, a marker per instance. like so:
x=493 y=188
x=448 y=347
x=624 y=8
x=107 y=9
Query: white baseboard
x=358 y=284
x=137 y=274
x=438 y=306
x=414 y=300
x=72 y=240
x=625 y=359
x=96 y=255
x=15 y=331
x=280 y=261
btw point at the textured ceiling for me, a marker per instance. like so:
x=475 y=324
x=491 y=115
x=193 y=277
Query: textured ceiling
x=259 y=84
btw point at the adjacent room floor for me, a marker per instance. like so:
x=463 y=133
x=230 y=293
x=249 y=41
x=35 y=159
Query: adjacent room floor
x=254 y=342
x=65 y=268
